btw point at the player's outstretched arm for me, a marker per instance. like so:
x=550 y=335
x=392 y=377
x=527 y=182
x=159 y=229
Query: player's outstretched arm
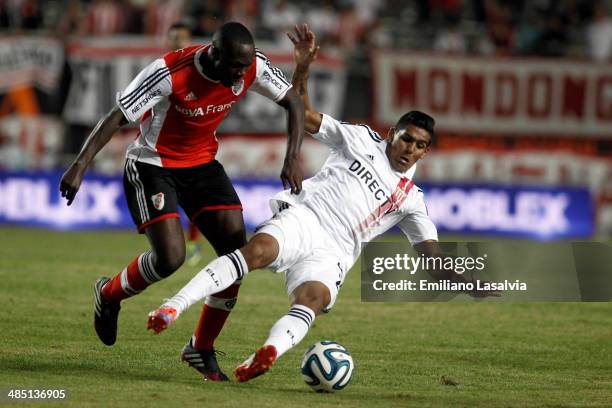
x=305 y=51
x=97 y=139
x=291 y=174
x=430 y=249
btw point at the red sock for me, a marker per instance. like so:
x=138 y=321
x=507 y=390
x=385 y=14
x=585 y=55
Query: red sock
x=212 y=319
x=132 y=280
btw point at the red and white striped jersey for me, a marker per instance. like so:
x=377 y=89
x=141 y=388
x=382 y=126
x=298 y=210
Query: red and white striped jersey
x=180 y=108
x=357 y=195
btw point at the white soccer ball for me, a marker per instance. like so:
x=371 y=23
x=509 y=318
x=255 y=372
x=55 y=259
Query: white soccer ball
x=327 y=366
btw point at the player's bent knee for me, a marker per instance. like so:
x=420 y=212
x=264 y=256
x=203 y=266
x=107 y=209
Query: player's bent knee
x=232 y=241
x=229 y=240
x=169 y=260
x=260 y=252
x=235 y=227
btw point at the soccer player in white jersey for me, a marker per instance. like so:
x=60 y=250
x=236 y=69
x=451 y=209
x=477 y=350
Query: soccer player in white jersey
x=363 y=189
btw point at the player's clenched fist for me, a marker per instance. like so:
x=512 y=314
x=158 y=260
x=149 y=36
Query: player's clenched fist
x=292 y=175
x=70 y=182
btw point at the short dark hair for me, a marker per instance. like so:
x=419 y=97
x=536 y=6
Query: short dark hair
x=232 y=33
x=418 y=119
x=180 y=25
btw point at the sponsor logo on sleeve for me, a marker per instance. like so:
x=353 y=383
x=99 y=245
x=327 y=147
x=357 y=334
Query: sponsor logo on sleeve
x=143 y=102
x=272 y=80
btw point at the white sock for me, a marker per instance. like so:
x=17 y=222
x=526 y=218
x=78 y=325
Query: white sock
x=216 y=276
x=290 y=329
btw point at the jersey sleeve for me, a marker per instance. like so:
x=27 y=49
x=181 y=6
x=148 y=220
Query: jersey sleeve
x=417 y=225
x=336 y=134
x=269 y=80
x=150 y=86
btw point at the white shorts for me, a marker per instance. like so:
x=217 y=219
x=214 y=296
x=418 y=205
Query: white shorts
x=306 y=252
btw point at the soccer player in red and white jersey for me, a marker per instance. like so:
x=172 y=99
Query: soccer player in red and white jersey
x=179 y=100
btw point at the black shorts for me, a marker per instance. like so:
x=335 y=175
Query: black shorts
x=154 y=193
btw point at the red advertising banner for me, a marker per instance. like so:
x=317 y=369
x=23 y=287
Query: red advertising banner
x=495 y=95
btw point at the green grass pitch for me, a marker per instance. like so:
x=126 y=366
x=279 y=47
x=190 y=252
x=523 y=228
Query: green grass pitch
x=499 y=354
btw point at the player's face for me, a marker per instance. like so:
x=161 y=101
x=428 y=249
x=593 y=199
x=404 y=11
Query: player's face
x=233 y=63
x=178 y=38
x=407 y=146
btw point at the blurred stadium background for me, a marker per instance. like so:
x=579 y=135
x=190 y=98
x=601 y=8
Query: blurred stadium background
x=522 y=94
x=521 y=90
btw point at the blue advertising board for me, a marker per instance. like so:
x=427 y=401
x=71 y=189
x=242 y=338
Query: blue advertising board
x=34 y=199
x=541 y=213
x=534 y=212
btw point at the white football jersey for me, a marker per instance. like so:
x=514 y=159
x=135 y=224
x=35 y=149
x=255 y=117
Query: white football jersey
x=357 y=195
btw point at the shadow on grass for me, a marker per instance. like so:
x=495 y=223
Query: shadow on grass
x=65 y=368
x=355 y=394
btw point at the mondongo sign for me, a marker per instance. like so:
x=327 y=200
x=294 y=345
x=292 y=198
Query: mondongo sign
x=483 y=94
